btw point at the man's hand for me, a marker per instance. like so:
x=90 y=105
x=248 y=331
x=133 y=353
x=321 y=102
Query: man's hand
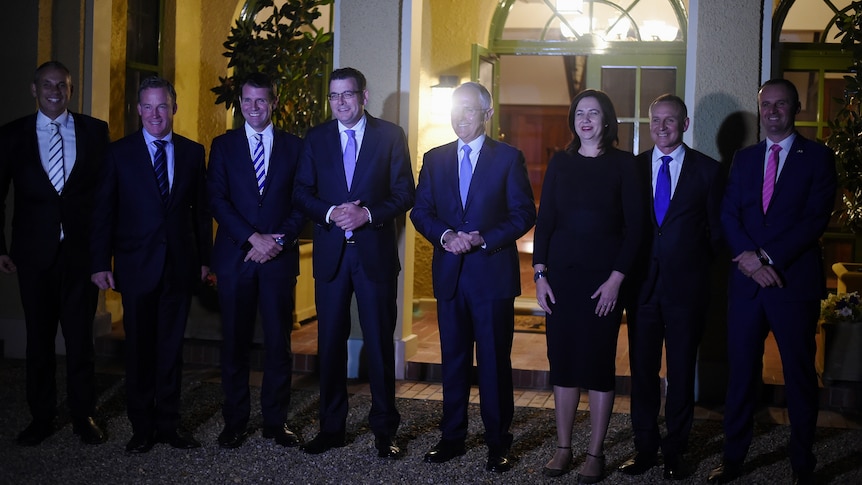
x=6 y=264
x=349 y=216
x=205 y=271
x=456 y=243
x=263 y=247
x=103 y=279
x=748 y=262
x=767 y=276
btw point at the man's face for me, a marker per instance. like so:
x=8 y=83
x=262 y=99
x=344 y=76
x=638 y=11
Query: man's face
x=468 y=114
x=256 y=105
x=157 y=111
x=52 y=92
x=666 y=126
x=349 y=103
x=777 y=111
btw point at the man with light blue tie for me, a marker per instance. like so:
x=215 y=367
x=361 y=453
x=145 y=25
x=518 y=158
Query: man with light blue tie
x=473 y=202
x=354 y=182
x=256 y=259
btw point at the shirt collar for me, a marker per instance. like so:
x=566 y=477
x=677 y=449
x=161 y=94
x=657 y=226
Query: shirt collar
x=475 y=145
x=359 y=127
x=678 y=154
x=785 y=143
x=149 y=139
x=250 y=132
x=43 y=120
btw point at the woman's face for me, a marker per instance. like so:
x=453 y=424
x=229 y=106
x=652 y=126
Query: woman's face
x=589 y=120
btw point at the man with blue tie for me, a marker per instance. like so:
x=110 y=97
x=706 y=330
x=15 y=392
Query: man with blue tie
x=473 y=202
x=354 y=181
x=256 y=258
x=152 y=216
x=778 y=201
x=52 y=158
x=670 y=301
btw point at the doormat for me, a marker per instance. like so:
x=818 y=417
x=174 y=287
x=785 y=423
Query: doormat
x=530 y=323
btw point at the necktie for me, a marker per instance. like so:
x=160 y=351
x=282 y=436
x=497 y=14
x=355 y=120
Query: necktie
x=259 y=168
x=662 y=190
x=769 y=176
x=160 y=165
x=465 y=174
x=56 y=169
x=350 y=157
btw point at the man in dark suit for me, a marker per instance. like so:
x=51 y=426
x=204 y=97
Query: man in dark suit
x=671 y=301
x=256 y=257
x=473 y=202
x=778 y=202
x=152 y=216
x=52 y=157
x=354 y=180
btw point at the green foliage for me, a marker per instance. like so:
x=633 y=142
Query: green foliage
x=846 y=127
x=287 y=48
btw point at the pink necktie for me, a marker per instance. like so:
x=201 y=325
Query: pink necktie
x=769 y=176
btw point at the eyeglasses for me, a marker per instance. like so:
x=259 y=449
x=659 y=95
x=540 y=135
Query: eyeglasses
x=346 y=95
x=466 y=110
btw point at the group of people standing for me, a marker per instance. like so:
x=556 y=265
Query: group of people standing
x=614 y=232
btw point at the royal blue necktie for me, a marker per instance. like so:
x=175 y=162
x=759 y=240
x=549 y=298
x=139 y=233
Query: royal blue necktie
x=662 y=190
x=465 y=174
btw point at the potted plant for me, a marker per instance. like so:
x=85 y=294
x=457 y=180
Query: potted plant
x=287 y=47
x=841 y=321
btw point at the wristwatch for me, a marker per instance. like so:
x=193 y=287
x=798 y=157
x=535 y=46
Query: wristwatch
x=538 y=274
x=760 y=257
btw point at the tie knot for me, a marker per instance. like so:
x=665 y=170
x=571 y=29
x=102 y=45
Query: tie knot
x=54 y=126
x=259 y=137
x=350 y=134
x=665 y=160
x=775 y=148
x=160 y=144
x=466 y=149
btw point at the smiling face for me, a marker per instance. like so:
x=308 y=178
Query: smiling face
x=469 y=115
x=347 y=110
x=52 y=91
x=157 y=110
x=589 y=121
x=778 y=110
x=666 y=126
x=256 y=105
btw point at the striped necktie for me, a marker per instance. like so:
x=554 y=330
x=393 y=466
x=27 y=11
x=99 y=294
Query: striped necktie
x=259 y=168
x=56 y=168
x=769 y=176
x=160 y=165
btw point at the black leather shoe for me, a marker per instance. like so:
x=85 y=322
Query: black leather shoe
x=231 y=438
x=282 y=435
x=725 y=472
x=803 y=478
x=141 y=443
x=676 y=469
x=444 y=451
x=35 y=433
x=89 y=431
x=498 y=464
x=640 y=464
x=323 y=442
x=386 y=449
x=180 y=440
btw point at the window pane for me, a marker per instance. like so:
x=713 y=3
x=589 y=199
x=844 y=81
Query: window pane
x=142 y=39
x=806 y=84
x=626 y=135
x=645 y=142
x=655 y=81
x=619 y=84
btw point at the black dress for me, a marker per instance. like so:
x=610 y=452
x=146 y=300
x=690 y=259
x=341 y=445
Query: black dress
x=590 y=222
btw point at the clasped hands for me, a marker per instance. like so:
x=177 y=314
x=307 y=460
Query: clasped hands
x=263 y=247
x=462 y=242
x=349 y=216
x=762 y=274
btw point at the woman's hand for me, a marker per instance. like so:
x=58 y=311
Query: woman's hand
x=607 y=294
x=544 y=294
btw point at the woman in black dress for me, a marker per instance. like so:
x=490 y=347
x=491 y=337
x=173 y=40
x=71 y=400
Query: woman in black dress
x=590 y=224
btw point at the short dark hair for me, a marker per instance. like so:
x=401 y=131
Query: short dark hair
x=349 y=73
x=609 y=116
x=672 y=99
x=259 y=80
x=50 y=65
x=156 y=82
x=794 y=93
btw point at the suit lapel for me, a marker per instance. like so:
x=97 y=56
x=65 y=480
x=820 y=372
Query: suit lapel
x=795 y=156
x=482 y=171
x=143 y=166
x=365 y=157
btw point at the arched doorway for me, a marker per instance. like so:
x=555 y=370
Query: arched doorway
x=541 y=53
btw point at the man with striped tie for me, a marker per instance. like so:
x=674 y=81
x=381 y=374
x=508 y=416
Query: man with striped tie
x=51 y=158
x=152 y=216
x=256 y=258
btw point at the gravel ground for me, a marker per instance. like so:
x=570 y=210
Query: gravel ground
x=63 y=459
